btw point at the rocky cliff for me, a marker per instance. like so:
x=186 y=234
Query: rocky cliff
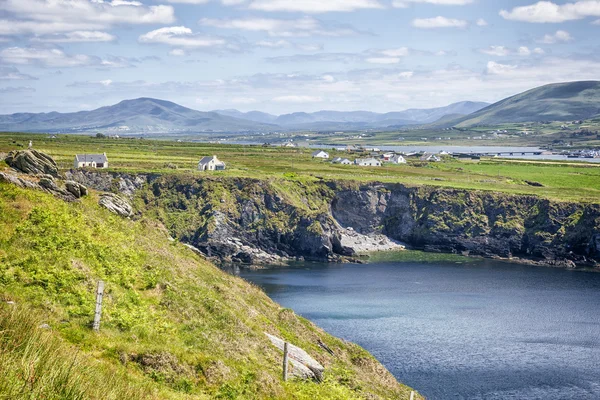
x=248 y=220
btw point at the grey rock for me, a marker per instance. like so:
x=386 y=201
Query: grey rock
x=303 y=365
x=44 y=326
x=76 y=189
x=32 y=162
x=116 y=204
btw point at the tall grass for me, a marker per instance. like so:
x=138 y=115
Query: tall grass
x=37 y=364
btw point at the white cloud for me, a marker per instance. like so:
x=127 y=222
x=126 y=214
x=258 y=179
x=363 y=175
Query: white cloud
x=301 y=27
x=177 y=52
x=76 y=36
x=20 y=89
x=549 y=12
x=481 y=22
x=439 y=22
x=55 y=16
x=539 y=51
x=558 y=37
x=244 y=100
x=524 y=51
x=297 y=99
x=181 y=36
x=273 y=44
x=406 y=3
x=399 y=52
x=52 y=57
x=314 y=6
x=498 y=51
x=495 y=68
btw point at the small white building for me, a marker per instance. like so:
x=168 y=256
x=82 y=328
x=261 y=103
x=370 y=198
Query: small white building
x=430 y=158
x=211 y=164
x=91 y=161
x=320 y=154
x=397 y=159
x=341 y=161
x=367 y=162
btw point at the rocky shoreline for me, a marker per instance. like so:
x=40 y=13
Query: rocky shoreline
x=257 y=221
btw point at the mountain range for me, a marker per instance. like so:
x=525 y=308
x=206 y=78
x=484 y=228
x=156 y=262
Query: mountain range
x=555 y=102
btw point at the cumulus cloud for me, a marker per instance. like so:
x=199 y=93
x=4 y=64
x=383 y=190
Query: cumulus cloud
x=180 y=36
x=558 y=37
x=301 y=27
x=75 y=37
x=549 y=12
x=439 y=22
x=56 y=16
x=407 y=3
x=499 y=51
x=481 y=22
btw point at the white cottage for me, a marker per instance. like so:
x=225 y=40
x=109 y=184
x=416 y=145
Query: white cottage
x=397 y=159
x=367 y=162
x=211 y=164
x=320 y=154
x=91 y=161
x=342 y=161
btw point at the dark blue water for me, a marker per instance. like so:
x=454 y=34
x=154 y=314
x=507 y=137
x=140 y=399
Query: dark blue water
x=482 y=330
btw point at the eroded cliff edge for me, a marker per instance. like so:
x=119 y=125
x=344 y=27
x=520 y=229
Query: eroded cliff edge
x=250 y=220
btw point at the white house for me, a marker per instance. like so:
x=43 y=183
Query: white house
x=388 y=155
x=367 y=162
x=320 y=154
x=397 y=159
x=342 y=161
x=211 y=164
x=430 y=158
x=91 y=161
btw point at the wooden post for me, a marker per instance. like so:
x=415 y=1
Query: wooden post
x=285 y=361
x=98 y=311
x=412 y=395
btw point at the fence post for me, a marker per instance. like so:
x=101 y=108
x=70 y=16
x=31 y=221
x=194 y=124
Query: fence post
x=412 y=395
x=98 y=311
x=285 y=361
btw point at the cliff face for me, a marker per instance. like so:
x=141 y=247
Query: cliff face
x=247 y=220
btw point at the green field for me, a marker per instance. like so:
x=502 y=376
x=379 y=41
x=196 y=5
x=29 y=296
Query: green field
x=574 y=181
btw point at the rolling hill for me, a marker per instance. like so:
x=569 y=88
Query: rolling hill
x=555 y=102
x=348 y=120
x=138 y=115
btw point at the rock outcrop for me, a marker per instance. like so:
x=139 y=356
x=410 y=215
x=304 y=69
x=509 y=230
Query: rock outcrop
x=303 y=366
x=46 y=183
x=116 y=204
x=32 y=162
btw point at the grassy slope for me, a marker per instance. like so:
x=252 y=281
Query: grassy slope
x=556 y=102
x=174 y=326
x=562 y=180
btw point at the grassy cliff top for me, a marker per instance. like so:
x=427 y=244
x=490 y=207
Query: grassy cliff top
x=570 y=181
x=174 y=326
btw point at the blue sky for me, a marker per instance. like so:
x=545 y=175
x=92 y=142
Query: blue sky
x=282 y=56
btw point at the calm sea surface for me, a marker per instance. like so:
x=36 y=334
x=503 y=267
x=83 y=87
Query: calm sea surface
x=476 y=330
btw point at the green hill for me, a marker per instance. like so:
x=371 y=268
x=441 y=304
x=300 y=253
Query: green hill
x=556 y=102
x=174 y=326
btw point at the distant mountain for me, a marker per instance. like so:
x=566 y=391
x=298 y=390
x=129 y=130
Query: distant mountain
x=132 y=116
x=347 y=120
x=556 y=102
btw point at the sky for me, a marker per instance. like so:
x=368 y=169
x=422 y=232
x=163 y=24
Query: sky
x=282 y=56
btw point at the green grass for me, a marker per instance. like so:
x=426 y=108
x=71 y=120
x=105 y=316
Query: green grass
x=174 y=326
x=562 y=180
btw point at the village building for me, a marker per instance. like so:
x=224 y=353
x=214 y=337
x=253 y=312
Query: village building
x=430 y=158
x=342 y=161
x=320 y=154
x=91 y=161
x=211 y=164
x=367 y=162
x=397 y=159
x=388 y=155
